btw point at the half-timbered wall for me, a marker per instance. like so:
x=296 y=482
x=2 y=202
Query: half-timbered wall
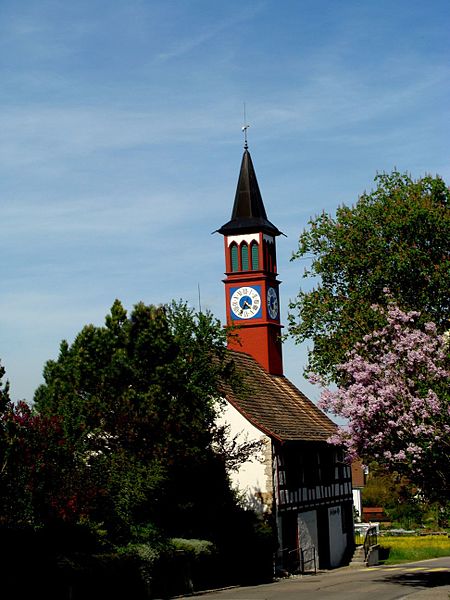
x=314 y=491
x=310 y=475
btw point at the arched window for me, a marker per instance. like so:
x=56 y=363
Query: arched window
x=244 y=257
x=272 y=257
x=270 y=260
x=255 y=260
x=234 y=258
x=266 y=256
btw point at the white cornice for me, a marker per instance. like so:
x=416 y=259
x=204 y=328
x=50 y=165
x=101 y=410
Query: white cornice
x=249 y=237
x=238 y=239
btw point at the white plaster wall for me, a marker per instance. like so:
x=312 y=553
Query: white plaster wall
x=254 y=477
x=307 y=535
x=357 y=503
x=338 y=539
x=307 y=529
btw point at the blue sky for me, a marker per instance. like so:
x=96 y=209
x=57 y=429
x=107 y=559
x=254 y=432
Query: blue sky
x=120 y=144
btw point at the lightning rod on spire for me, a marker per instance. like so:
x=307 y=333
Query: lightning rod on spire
x=244 y=129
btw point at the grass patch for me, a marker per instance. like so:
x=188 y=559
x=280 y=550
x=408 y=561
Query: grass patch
x=412 y=548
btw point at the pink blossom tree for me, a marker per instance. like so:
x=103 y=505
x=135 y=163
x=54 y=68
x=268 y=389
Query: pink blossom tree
x=395 y=398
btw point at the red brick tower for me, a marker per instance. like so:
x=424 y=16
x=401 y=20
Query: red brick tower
x=251 y=285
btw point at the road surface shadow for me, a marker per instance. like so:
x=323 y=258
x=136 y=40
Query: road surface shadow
x=421 y=579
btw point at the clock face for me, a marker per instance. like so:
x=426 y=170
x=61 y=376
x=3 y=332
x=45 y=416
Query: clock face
x=272 y=303
x=245 y=302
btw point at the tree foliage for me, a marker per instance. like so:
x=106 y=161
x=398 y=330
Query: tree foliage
x=127 y=413
x=397 y=237
x=121 y=451
x=395 y=395
x=36 y=476
x=401 y=501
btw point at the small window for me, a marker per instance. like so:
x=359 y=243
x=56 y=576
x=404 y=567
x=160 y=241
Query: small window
x=244 y=257
x=255 y=261
x=234 y=258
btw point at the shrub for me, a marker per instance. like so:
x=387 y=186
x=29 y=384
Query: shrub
x=195 y=548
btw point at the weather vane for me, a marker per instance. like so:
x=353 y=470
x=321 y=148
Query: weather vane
x=244 y=129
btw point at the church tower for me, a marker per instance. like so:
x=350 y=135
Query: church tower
x=251 y=285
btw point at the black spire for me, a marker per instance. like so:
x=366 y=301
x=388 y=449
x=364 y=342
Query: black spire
x=248 y=213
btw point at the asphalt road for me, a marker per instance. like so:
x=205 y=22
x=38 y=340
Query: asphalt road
x=425 y=580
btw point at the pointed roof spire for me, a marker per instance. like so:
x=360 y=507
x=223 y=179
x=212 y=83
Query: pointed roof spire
x=248 y=212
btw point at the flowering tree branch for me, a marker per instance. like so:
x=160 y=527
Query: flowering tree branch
x=395 y=397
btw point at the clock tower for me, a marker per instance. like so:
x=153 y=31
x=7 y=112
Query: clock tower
x=251 y=284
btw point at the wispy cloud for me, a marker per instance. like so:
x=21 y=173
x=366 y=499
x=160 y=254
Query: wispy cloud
x=102 y=215
x=42 y=135
x=337 y=97
x=203 y=31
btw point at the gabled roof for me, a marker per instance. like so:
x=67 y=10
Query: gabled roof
x=275 y=406
x=248 y=213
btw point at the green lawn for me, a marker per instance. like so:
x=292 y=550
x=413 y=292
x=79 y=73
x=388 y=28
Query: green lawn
x=395 y=550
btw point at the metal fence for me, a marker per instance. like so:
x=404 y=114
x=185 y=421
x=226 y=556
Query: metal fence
x=300 y=560
x=308 y=560
x=366 y=535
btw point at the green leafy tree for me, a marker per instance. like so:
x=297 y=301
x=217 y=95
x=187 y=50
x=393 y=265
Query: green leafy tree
x=395 y=238
x=403 y=503
x=396 y=495
x=137 y=400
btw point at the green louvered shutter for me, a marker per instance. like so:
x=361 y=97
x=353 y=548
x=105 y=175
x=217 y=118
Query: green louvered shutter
x=244 y=257
x=234 y=258
x=255 y=262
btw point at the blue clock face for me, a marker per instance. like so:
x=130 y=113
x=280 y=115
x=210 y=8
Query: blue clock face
x=272 y=303
x=245 y=302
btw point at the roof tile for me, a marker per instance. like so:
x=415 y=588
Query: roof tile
x=275 y=405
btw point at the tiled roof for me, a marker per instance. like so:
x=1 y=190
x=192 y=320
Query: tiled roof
x=275 y=406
